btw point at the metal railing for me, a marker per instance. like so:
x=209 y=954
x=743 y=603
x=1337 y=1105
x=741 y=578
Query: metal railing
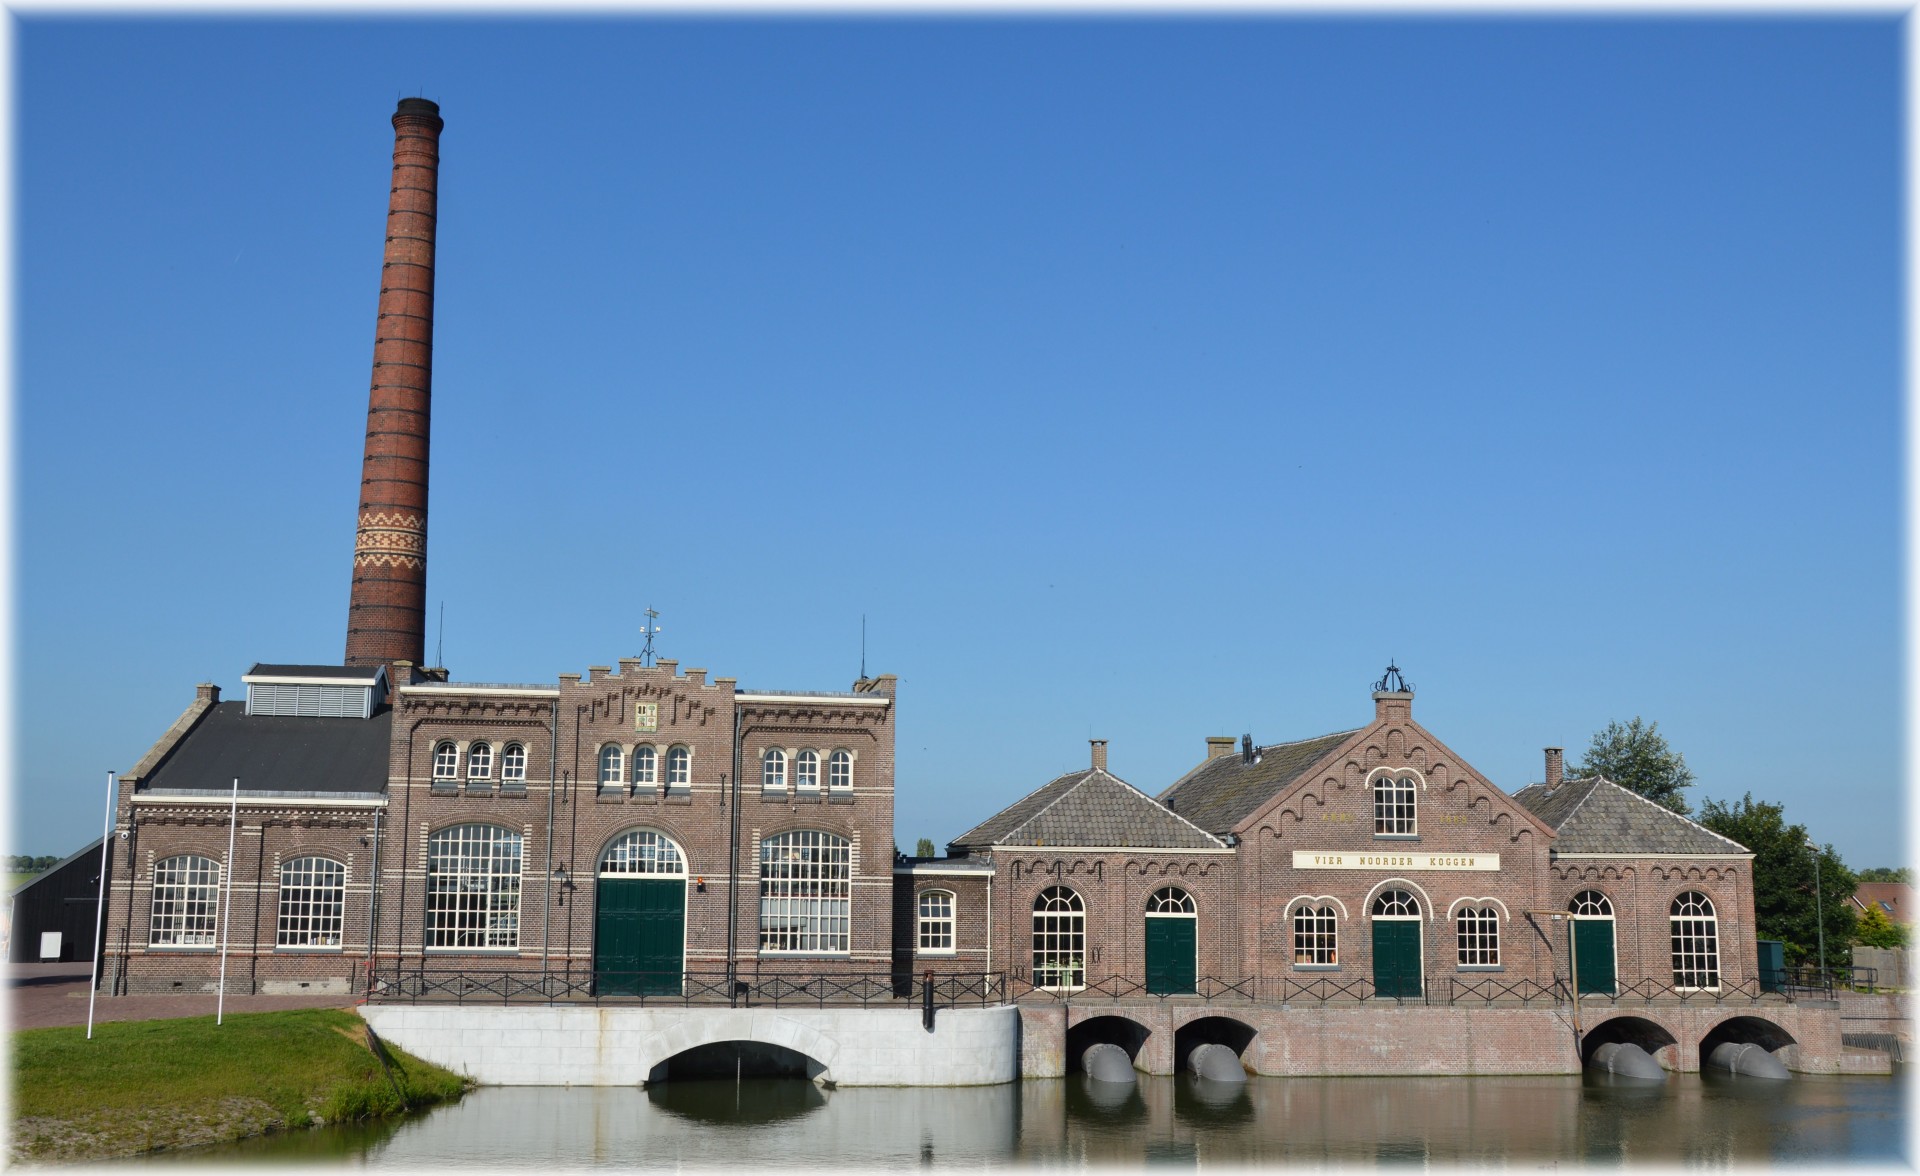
x=405 y=983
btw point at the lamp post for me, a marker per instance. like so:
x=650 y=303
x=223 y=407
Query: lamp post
x=1819 y=908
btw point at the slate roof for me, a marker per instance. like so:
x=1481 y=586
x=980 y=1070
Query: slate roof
x=1595 y=815
x=279 y=670
x=278 y=754
x=1222 y=791
x=1090 y=807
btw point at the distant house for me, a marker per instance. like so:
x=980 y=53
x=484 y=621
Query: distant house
x=64 y=899
x=1895 y=899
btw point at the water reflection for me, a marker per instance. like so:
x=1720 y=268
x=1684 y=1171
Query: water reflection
x=1689 y=1119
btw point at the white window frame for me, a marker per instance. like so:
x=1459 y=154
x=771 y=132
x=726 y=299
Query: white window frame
x=446 y=760
x=186 y=902
x=773 y=770
x=806 y=772
x=313 y=902
x=1396 y=804
x=473 y=889
x=1477 y=936
x=806 y=893
x=679 y=768
x=840 y=771
x=480 y=761
x=646 y=766
x=1598 y=906
x=935 y=926
x=613 y=766
x=1059 y=940
x=513 y=764
x=1694 y=937
x=643 y=852
x=1316 y=936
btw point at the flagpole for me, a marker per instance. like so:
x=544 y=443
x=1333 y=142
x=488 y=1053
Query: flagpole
x=100 y=906
x=226 y=920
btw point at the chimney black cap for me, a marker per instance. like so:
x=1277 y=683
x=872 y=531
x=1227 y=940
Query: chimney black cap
x=418 y=108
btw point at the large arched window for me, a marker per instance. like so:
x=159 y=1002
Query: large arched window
x=612 y=766
x=1393 y=807
x=1315 y=936
x=313 y=898
x=643 y=851
x=186 y=902
x=1059 y=939
x=936 y=922
x=1477 y=930
x=473 y=888
x=806 y=892
x=806 y=772
x=1696 y=942
x=773 y=771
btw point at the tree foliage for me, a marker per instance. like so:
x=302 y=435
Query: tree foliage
x=925 y=848
x=1784 y=895
x=1887 y=874
x=1635 y=756
x=24 y=863
x=1873 y=928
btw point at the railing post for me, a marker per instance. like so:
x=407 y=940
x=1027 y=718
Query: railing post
x=926 y=1001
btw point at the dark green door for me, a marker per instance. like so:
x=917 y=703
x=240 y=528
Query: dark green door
x=639 y=935
x=1593 y=954
x=1396 y=957
x=1170 y=955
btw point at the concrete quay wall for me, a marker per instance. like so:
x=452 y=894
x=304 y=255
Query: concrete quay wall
x=551 y=1045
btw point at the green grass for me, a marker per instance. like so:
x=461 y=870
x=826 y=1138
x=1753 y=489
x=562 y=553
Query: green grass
x=140 y=1085
x=15 y=877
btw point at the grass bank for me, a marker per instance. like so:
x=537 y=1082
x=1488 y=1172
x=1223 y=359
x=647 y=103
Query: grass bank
x=142 y=1085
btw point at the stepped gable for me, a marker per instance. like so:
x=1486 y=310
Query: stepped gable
x=280 y=754
x=1222 y=791
x=1595 y=815
x=1090 y=807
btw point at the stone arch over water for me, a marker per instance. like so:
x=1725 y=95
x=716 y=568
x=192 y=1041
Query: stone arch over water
x=1124 y=1032
x=1648 y=1035
x=776 y=1045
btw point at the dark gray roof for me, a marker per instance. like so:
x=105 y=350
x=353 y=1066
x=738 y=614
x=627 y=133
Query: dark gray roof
x=1595 y=815
x=1089 y=807
x=1222 y=791
x=278 y=670
x=277 y=753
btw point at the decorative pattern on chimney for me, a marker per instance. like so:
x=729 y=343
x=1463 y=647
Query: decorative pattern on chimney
x=387 y=611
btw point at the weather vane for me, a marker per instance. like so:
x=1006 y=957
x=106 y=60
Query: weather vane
x=646 y=651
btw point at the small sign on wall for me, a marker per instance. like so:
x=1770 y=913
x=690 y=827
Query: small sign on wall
x=50 y=945
x=646 y=716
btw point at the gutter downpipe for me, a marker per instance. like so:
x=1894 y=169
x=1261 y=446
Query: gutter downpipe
x=733 y=871
x=373 y=908
x=546 y=911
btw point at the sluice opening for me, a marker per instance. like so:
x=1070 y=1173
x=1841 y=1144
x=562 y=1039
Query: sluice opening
x=738 y=1083
x=730 y=1061
x=1129 y=1035
x=1746 y=1046
x=1637 y=1031
x=1211 y=1048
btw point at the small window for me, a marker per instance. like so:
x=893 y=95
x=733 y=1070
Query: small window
x=513 y=765
x=1591 y=904
x=480 y=762
x=1314 y=939
x=679 y=769
x=612 y=766
x=1478 y=929
x=1393 y=813
x=1170 y=900
x=313 y=894
x=773 y=771
x=446 y=762
x=936 y=922
x=806 y=771
x=646 y=772
x=840 y=771
x=186 y=899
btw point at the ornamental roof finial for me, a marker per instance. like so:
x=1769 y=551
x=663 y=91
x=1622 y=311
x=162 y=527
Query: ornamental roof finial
x=1391 y=682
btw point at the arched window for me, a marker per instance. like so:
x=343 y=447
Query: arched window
x=840 y=772
x=936 y=922
x=806 y=771
x=446 y=761
x=313 y=899
x=186 y=900
x=1396 y=904
x=643 y=851
x=1315 y=940
x=480 y=762
x=1590 y=904
x=612 y=766
x=513 y=765
x=1059 y=939
x=773 y=771
x=679 y=769
x=1478 y=932
x=1696 y=942
x=1170 y=900
x=473 y=888
x=806 y=892
x=646 y=772
x=1393 y=811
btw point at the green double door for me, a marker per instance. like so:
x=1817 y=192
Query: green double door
x=1593 y=955
x=1171 y=966
x=639 y=936
x=1396 y=957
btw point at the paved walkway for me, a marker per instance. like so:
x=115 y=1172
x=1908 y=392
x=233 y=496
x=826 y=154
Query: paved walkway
x=56 y=994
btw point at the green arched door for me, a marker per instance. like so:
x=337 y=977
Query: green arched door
x=640 y=916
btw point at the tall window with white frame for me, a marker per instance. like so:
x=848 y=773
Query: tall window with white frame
x=473 y=888
x=1059 y=939
x=480 y=765
x=773 y=770
x=1316 y=942
x=1696 y=942
x=612 y=767
x=679 y=769
x=806 y=892
x=1393 y=806
x=1477 y=930
x=446 y=762
x=513 y=766
x=936 y=922
x=186 y=902
x=646 y=771
x=840 y=772
x=313 y=899
x=806 y=772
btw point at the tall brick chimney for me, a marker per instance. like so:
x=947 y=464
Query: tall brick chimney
x=1555 y=768
x=1099 y=754
x=387 y=612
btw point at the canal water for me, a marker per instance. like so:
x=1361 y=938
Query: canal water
x=1688 y=1120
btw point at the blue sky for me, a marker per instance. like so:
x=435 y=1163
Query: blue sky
x=1144 y=379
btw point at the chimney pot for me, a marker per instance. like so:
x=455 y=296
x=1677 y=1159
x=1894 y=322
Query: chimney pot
x=1556 y=770
x=1219 y=745
x=1099 y=753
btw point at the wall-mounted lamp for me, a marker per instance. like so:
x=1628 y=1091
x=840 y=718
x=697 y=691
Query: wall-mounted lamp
x=700 y=885
x=561 y=876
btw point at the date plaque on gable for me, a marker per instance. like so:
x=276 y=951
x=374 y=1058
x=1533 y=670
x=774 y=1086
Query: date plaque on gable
x=646 y=716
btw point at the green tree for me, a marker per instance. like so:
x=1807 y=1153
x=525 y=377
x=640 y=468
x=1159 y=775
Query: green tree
x=1784 y=896
x=925 y=848
x=1887 y=874
x=1873 y=929
x=1635 y=756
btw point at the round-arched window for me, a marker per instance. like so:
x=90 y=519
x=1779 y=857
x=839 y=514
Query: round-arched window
x=1396 y=904
x=642 y=851
x=1059 y=939
x=1170 y=900
x=1696 y=942
x=1590 y=904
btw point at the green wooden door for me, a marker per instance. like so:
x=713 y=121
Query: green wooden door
x=639 y=935
x=1170 y=955
x=1593 y=954
x=1396 y=957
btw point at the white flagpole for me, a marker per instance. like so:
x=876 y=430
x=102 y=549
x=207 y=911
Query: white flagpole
x=100 y=908
x=226 y=920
